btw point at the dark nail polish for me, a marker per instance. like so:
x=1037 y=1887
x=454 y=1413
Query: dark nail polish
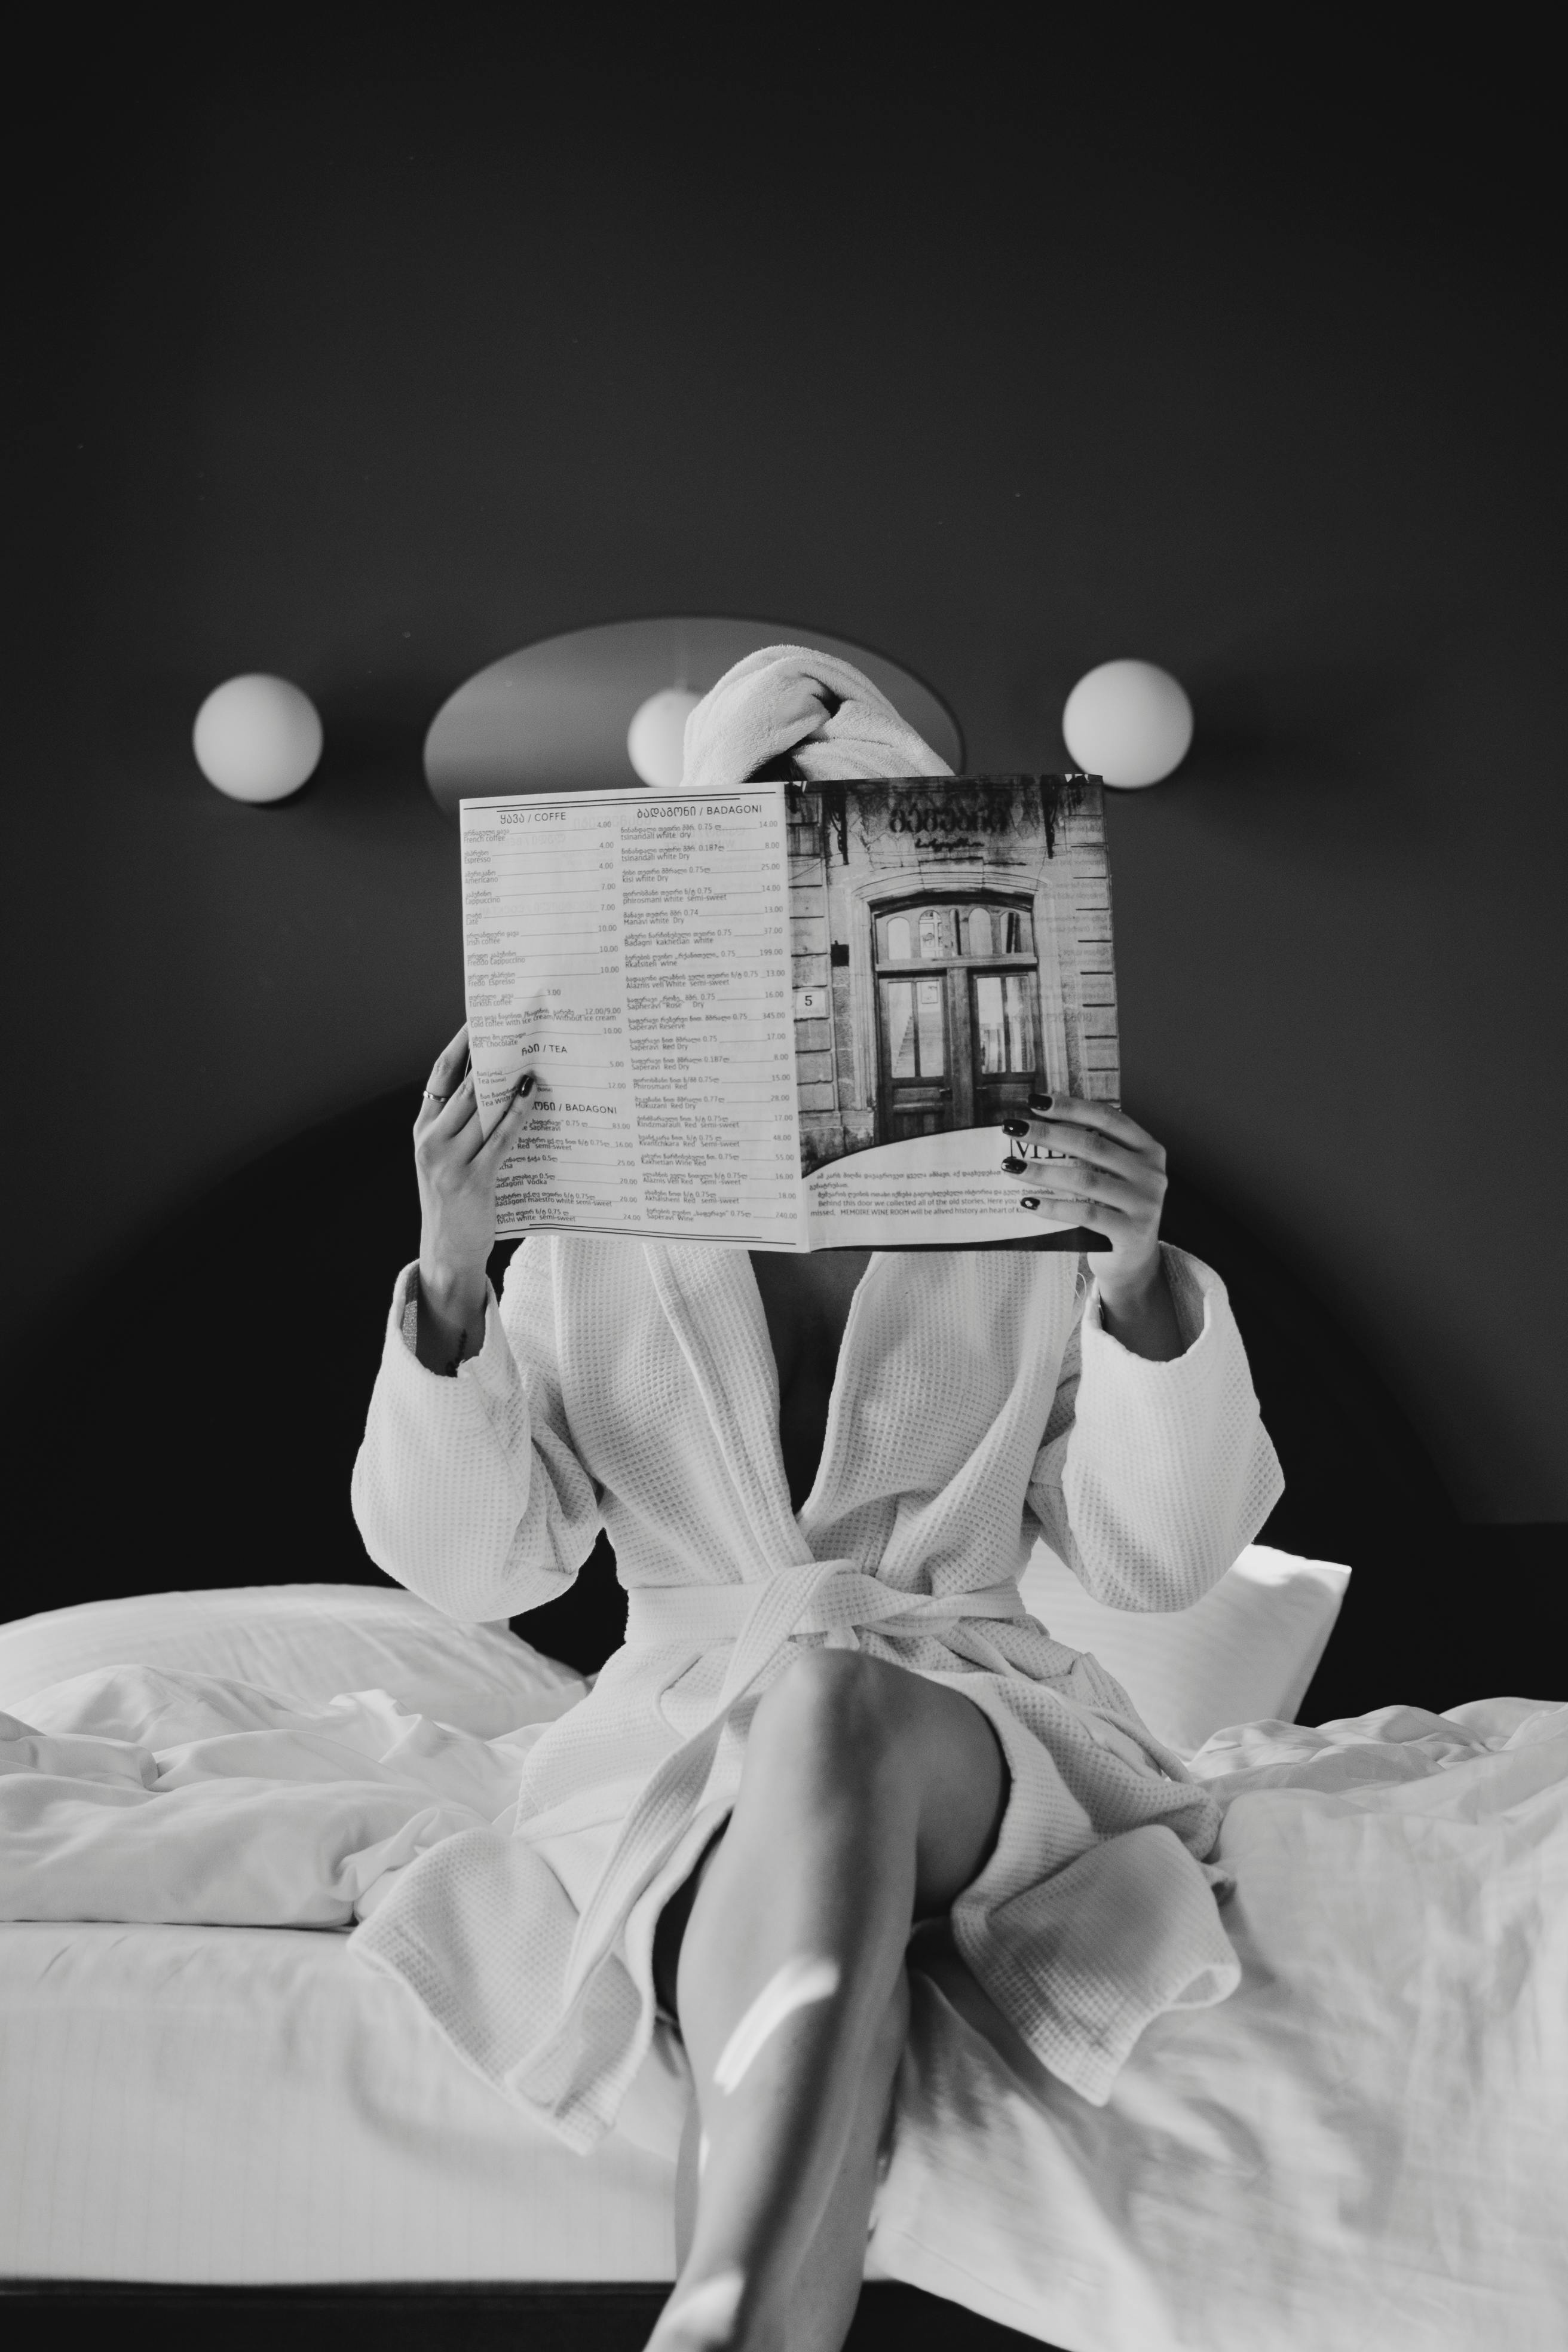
x=1011 y=1167
x=1014 y=1126
x=1028 y=1202
x=1041 y=1102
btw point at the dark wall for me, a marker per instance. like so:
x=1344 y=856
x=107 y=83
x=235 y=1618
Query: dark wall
x=366 y=363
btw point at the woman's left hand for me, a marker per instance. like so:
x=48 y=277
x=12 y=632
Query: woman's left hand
x=1106 y=1172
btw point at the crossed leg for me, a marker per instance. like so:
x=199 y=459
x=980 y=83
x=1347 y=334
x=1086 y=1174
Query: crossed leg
x=870 y=1798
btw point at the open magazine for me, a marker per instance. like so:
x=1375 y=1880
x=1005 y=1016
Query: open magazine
x=790 y=1016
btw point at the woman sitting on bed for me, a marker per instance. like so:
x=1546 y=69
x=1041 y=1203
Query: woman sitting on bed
x=830 y=1721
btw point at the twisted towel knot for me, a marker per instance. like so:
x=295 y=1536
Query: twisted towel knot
x=819 y=710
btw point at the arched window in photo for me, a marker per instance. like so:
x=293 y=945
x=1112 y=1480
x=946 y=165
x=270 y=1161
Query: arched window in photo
x=958 y=1012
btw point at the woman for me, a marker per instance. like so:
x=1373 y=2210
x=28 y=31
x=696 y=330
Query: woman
x=831 y=1721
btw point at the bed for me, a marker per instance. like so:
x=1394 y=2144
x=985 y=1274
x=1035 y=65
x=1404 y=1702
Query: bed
x=234 y=2124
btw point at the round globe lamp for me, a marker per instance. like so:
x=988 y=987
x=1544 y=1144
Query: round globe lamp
x=656 y=739
x=258 y=737
x=1130 y=723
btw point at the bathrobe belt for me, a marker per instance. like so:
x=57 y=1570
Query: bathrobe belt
x=826 y=1597
x=662 y=1614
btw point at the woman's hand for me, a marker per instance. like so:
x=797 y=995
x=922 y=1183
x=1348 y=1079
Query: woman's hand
x=457 y=1167
x=1109 y=1173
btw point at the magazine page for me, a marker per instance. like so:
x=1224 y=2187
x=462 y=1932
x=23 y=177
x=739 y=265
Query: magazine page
x=635 y=953
x=952 y=955
x=789 y=1016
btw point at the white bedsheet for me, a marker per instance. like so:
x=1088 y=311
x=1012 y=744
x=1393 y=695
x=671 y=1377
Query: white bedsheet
x=1366 y=2144
x=244 y=2105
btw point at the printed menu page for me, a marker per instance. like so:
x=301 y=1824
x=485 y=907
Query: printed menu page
x=635 y=954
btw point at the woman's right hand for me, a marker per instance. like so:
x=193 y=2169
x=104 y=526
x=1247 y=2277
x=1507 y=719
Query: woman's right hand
x=456 y=1166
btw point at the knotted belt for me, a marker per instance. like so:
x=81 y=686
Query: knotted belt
x=834 y=1598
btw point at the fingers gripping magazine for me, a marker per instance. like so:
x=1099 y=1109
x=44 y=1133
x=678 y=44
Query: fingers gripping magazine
x=790 y=1016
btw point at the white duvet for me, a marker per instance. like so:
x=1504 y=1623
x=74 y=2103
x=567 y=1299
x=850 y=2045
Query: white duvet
x=138 y=1792
x=1364 y=2145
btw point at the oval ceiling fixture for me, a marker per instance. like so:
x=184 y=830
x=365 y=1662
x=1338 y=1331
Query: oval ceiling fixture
x=554 y=717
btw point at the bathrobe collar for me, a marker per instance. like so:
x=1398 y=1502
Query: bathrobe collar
x=715 y=1310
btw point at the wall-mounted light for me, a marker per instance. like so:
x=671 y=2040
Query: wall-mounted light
x=656 y=739
x=1127 y=721
x=258 y=737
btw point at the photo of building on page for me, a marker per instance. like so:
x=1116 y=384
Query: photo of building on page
x=952 y=954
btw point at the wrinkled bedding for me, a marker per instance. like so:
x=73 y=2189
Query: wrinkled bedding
x=138 y=1793
x=1363 y=2145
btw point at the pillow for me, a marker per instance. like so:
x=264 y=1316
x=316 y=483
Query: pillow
x=1244 y=1654
x=305 y=1641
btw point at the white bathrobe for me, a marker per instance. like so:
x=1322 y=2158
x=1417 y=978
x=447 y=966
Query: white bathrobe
x=979 y=1403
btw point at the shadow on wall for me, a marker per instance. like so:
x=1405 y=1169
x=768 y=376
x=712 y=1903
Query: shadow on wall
x=1325 y=730
x=194 y=1423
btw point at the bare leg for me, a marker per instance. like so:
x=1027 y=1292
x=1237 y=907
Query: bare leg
x=828 y=2285
x=869 y=1797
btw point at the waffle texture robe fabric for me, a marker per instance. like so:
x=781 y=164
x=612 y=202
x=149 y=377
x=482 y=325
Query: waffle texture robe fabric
x=979 y=1403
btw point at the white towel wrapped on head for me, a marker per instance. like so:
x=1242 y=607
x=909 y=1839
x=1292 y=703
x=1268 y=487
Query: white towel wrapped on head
x=821 y=711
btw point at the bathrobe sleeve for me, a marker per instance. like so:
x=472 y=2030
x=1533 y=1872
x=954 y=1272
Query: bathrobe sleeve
x=468 y=1490
x=1154 y=1477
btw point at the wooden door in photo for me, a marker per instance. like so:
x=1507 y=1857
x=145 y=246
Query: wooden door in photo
x=958 y=1012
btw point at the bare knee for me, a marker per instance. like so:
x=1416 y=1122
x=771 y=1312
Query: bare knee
x=844 y=1735
x=830 y=1708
